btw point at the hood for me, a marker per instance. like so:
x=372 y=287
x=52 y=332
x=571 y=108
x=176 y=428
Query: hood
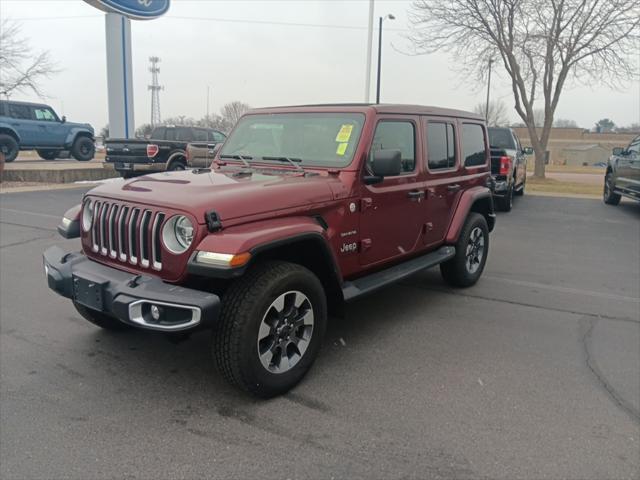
x=231 y=194
x=79 y=125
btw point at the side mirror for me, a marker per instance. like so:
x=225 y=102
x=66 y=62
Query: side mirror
x=527 y=150
x=618 y=150
x=384 y=163
x=64 y=118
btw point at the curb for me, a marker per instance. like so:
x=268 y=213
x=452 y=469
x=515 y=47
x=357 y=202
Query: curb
x=70 y=175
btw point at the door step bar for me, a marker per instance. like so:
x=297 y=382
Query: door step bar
x=362 y=286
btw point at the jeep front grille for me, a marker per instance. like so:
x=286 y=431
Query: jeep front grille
x=127 y=234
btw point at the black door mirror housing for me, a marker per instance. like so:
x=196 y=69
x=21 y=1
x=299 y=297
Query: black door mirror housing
x=384 y=163
x=64 y=118
x=618 y=150
x=527 y=151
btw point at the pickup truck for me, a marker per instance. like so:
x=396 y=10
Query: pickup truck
x=36 y=126
x=200 y=155
x=164 y=150
x=304 y=208
x=508 y=166
x=622 y=177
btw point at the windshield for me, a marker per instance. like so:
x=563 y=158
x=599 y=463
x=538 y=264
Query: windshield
x=501 y=138
x=322 y=139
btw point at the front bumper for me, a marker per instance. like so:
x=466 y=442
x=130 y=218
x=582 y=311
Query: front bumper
x=127 y=297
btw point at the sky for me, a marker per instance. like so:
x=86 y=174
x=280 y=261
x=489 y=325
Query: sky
x=248 y=51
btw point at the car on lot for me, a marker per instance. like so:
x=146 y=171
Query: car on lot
x=304 y=208
x=622 y=177
x=164 y=150
x=36 y=126
x=201 y=154
x=508 y=166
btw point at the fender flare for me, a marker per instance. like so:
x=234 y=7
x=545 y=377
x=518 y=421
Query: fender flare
x=9 y=130
x=259 y=238
x=174 y=154
x=465 y=205
x=74 y=133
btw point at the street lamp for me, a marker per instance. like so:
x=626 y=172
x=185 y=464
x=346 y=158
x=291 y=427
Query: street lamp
x=390 y=17
x=486 y=112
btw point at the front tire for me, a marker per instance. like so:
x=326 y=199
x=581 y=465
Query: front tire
x=48 y=154
x=9 y=147
x=83 y=149
x=609 y=196
x=270 y=329
x=472 y=249
x=100 y=319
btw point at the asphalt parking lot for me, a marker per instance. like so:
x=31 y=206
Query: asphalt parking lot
x=532 y=373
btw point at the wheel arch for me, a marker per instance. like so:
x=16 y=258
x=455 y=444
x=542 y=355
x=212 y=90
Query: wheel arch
x=478 y=200
x=5 y=129
x=177 y=156
x=76 y=133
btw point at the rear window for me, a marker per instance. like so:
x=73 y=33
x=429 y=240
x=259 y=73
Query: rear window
x=199 y=135
x=22 y=112
x=441 y=146
x=158 y=133
x=501 y=138
x=473 y=147
x=184 y=134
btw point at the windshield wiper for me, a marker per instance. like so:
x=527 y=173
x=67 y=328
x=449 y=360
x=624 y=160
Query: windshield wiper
x=244 y=158
x=292 y=161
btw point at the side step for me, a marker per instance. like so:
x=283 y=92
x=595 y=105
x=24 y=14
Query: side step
x=365 y=285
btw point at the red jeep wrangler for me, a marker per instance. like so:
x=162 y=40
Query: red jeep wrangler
x=303 y=208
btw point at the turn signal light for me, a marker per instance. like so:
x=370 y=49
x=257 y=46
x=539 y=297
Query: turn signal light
x=505 y=165
x=223 y=259
x=152 y=150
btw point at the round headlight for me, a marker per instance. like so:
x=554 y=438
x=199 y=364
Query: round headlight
x=177 y=234
x=87 y=215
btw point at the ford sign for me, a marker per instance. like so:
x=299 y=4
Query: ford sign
x=135 y=9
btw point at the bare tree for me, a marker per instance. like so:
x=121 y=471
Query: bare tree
x=21 y=69
x=231 y=112
x=497 y=117
x=565 y=123
x=542 y=45
x=605 y=125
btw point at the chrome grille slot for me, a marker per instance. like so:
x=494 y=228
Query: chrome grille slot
x=122 y=254
x=156 y=256
x=112 y=231
x=94 y=227
x=133 y=237
x=103 y=228
x=144 y=238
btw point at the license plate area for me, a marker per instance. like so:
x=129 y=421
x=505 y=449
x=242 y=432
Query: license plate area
x=124 y=166
x=89 y=292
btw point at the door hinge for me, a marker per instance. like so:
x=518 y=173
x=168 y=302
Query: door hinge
x=365 y=204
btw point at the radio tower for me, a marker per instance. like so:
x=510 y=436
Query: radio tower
x=155 y=91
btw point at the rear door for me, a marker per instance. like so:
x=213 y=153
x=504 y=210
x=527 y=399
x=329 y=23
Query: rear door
x=392 y=212
x=443 y=179
x=22 y=120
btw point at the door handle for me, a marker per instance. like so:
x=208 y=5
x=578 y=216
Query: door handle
x=453 y=188
x=415 y=194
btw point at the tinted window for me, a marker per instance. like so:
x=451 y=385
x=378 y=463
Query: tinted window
x=2 y=112
x=22 y=112
x=473 y=149
x=199 y=135
x=184 y=134
x=501 y=138
x=218 y=137
x=635 y=146
x=397 y=136
x=170 y=134
x=158 y=133
x=441 y=145
x=43 y=113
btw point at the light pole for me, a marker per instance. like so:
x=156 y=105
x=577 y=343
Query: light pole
x=390 y=17
x=367 y=80
x=486 y=112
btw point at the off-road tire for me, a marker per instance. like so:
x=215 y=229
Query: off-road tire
x=455 y=271
x=520 y=192
x=608 y=195
x=244 y=305
x=83 y=149
x=505 y=204
x=100 y=319
x=177 y=165
x=48 y=154
x=9 y=146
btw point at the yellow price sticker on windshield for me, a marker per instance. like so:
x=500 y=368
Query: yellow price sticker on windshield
x=342 y=148
x=344 y=134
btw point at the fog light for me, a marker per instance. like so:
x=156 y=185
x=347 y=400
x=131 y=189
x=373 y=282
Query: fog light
x=156 y=311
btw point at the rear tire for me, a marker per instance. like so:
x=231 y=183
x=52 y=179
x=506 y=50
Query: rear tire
x=270 y=329
x=609 y=196
x=83 y=149
x=48 y=154
x=100 y=319
x=177 y=165
x=9 y=147
x=505 y=203
x=472 y=250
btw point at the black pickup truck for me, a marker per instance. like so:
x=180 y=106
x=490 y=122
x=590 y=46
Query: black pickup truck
x=164 y=150
x=508 y=166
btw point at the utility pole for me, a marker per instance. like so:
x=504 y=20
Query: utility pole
x=486 y=112
x=155 y=91
x=207 y=102
x=367 y=80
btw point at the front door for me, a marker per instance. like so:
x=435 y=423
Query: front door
x=392 y=212
x=51 y=131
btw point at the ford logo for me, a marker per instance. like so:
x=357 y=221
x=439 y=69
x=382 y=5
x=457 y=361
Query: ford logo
x=135 y=9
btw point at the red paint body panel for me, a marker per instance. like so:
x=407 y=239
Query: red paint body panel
x=368 y=227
